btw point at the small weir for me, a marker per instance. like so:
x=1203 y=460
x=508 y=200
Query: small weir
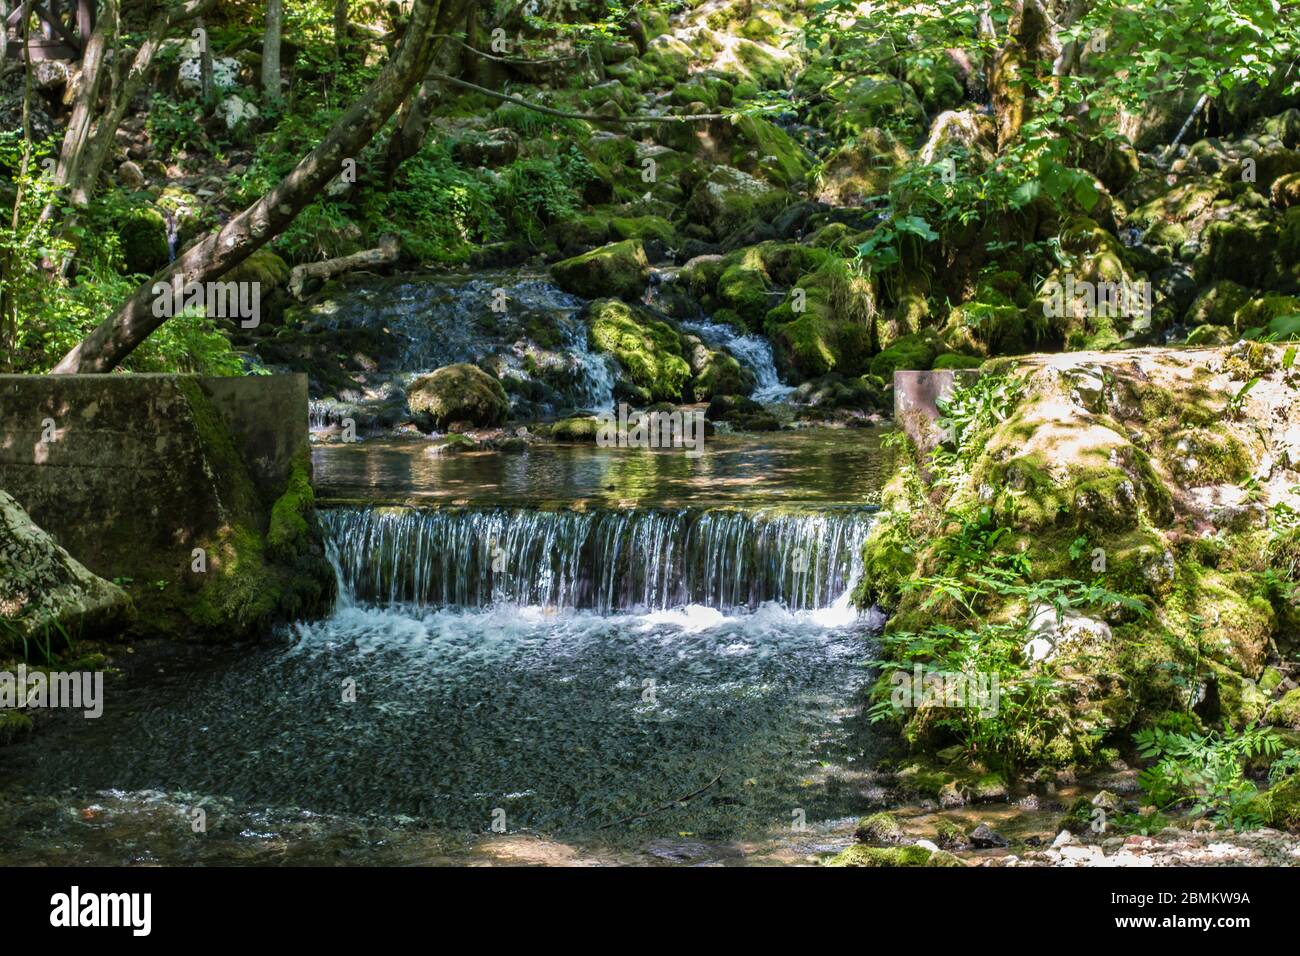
x=605 y=560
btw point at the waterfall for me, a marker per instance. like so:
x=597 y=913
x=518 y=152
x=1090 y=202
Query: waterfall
x=752 y=351
x=653 y=559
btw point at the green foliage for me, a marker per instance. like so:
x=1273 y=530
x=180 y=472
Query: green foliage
x=1206 y=771
x=174 y=124
x=970 y=413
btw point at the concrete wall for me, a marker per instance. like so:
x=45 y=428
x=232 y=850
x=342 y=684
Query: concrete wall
x=916 y=403
x=133 y=462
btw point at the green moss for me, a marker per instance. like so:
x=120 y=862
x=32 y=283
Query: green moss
x=1285 y=712
x=989 y=324
x=916 y=351
x=1280 y=804
x=649 y=349
x=763 y=147
x=263 y=267
x=582 y=428
x=619 y=269
x=644 y=228
x=1217 y=304
x=879 y=828
x=143 y=234
x=893 y=856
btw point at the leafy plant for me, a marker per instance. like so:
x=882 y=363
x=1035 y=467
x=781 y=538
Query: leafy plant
x=1205 y=771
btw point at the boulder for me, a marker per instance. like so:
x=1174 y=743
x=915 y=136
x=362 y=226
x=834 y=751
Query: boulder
x=45 y=594
x=618 y=269
x=457 y=395
x=648 y=349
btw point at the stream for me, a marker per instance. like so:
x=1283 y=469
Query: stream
x=556 y=653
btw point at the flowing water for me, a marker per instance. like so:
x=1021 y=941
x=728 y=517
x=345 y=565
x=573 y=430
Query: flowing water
x=565 y=654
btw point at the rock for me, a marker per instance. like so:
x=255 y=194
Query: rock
x=715 y=372
x=985 y=837
x=968 y=130
x=951 y=837
x=45 y=594
x=1064 y=838
x=618 y=269
x=263 y=267
x=143 y=235
x=880 y=828
x=456 y=395
x=131 y=176
x=234 y=110
x=648 y=349
x=916 y=351
x=1048 y=630
x=741 y=413
x=860 y=169
x=496 y=147
x=225 y=72
x=728 y=200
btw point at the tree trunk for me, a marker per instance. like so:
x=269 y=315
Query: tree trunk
x=271 y=50
x=115 y=338
x=386 y=253
x=207 y=86
x=4 y=30
x=340 y=26
x=102 y=40
x=414 y=121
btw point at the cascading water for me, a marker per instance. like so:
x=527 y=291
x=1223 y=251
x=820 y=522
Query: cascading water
x=752 y=351
x=608 y=561
x=525 y=328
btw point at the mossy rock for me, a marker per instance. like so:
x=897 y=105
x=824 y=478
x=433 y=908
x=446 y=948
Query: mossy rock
x=950 y=360
x=867 y=102
x=263 y=267
x=768 y=67
x=645 y=229
x=1285 y=712
x=715 y=372
x=143 y=234
x=741 y=413
x=763 y=148
x=989 y=324
x=1206 y=456
x=618 y=269
x=648 y=349
x=893 y=856
x=1279 y=806
x=669 y=57
x=1239 y=248
x=860 y=169
x=1269 y=313
x=916 y=351
x=728 y=200
x=457 y=395
x=879 y=828
x=582 y=428
x=1217 y=304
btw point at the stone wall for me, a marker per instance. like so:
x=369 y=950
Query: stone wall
x=128 y=454
x=194 y=491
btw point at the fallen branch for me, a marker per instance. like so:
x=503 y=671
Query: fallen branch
x=564 y=114
x=667 y=806
x=384 y=254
